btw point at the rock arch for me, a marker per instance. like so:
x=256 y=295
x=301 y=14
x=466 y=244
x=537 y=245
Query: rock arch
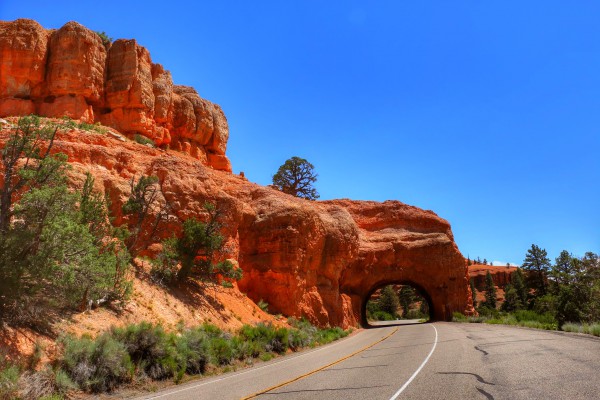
x=321 y=260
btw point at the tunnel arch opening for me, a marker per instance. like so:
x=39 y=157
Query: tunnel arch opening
x=376 y=289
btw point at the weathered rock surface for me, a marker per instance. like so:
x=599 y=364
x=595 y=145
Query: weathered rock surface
x=70 y=72
x=320 y=260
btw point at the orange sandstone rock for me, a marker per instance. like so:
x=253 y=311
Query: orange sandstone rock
x=23 y=51
x=320 y=260
x=69 y=72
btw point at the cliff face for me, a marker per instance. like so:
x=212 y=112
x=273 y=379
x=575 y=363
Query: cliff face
x=70 y=72
x=320 y=260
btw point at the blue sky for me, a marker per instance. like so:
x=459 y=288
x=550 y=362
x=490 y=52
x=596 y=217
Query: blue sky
x=487 y=113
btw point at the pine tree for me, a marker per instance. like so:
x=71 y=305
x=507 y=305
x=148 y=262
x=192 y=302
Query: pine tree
x=512 y=302
x=474 y=292
x=407 y=297
x=388 y=301
x=490 y=291
x=537 y=265
x=518 y=282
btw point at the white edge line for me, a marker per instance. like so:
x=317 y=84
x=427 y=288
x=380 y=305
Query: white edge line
x=395 y=396
x=252 y=369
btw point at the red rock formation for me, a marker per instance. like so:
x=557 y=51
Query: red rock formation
x=501 y=275
x=320 y=260
x=69 y=72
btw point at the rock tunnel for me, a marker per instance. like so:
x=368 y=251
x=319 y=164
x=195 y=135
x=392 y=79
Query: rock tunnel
x=324 y=267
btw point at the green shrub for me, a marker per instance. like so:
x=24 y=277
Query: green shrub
x=329 y=335
x=221 y=350
x=47 y=383
x=458 y=317
x=106 y=40
x=382 y=316
x=96 y=365
x=210 y=330
x=151 y=349
x=9 y=380
x=488 y=312
x=263 y=305
x=194 y=347
x=594 y=329
x=269 y=337
x=244 y=349
x=298 y=339
x=571 y=327
x=143 y=140
x=477 y=320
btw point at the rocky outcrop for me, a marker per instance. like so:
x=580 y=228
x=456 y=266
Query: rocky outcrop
x=70 y=72
x=317 y=259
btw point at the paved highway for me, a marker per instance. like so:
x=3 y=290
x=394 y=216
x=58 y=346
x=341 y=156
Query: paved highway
x=420 y=361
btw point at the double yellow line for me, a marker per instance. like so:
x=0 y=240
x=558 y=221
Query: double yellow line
x=318 y=369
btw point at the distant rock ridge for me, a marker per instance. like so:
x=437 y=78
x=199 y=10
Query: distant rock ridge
x=70 y=72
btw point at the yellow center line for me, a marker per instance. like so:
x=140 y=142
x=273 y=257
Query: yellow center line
x=318 y=369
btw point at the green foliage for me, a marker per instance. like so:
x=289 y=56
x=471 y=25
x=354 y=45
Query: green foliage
x=263 y=305
x=388 y=301
x=518 y=282
x=146 y=351
x=98 y=365
x=68 y=124
x=490 y=291
x=524 y=318
x=473 y=292
x=512 y=300
x=143 y=140
x=406 y=298
x=269 y=337
x=221 y=350
x=537 y=264
x=143 y=201
x=57 y=245
x=194 y=347
x=9 y=381
x=297 y=177
x=151 y=349
x=590 y=329
x=575 y=283
x=106 y=40
x=382 y=316
x=458 y=317
x=198 y=249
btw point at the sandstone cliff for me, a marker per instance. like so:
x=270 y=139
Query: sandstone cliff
x=320 y=260
x=70 y=72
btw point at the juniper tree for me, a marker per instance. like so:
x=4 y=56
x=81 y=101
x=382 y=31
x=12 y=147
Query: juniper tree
x=297 y=177
x=198 y=251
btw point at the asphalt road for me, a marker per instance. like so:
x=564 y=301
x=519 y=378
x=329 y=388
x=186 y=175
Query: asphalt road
x=420 y=361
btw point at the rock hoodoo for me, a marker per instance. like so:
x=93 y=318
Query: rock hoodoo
x=317 y=259
x=70 y=72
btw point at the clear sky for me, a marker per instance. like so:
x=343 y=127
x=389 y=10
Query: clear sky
x=486 y=112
